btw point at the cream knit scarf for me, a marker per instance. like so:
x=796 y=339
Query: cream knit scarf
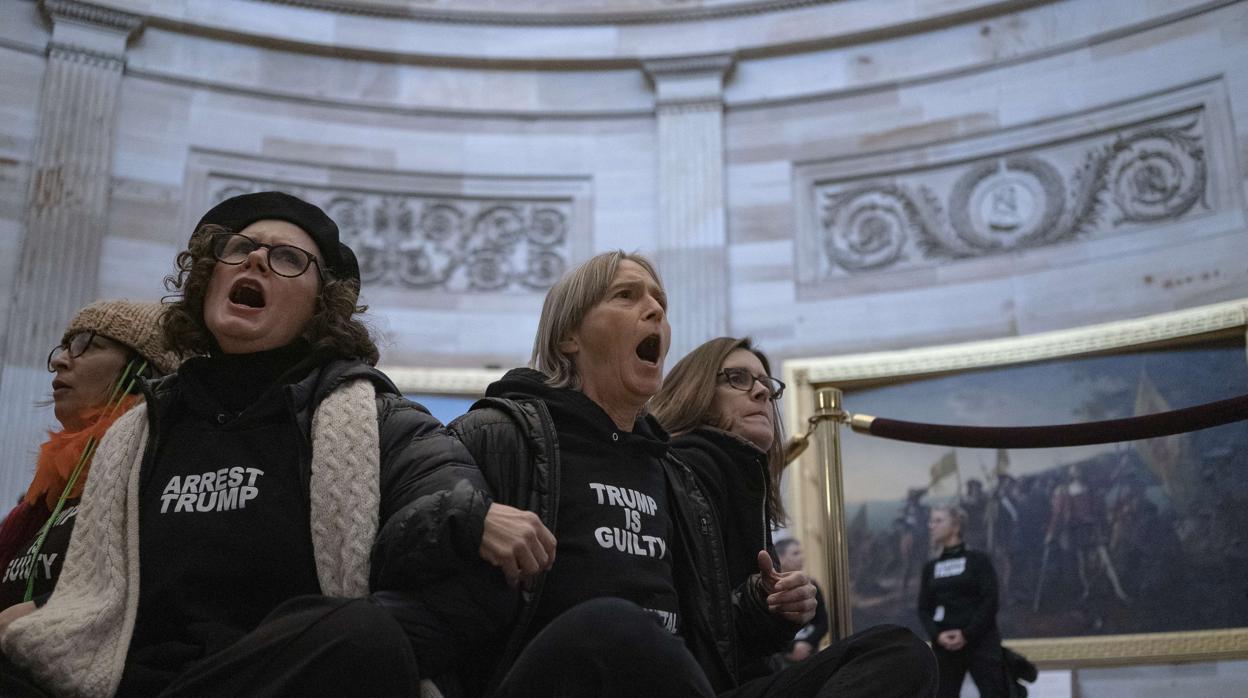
x=76 y=644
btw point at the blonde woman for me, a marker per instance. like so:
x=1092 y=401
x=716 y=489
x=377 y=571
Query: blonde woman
x=638 y=598
x=958 y=607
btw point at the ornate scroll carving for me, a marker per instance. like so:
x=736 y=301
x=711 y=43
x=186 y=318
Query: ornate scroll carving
x=1117 y=182
x=438 y=242
x=869 y=227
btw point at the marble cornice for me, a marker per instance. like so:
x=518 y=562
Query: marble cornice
x=421 y=35
x=100 y=58
x=719 y=63
x=689 y=83
x=523 y=18
x=689 y=106
x=88 y=13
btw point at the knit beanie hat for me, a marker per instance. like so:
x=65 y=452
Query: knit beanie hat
x=134 y=324
x=240 y=211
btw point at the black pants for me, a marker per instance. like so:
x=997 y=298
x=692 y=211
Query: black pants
x=310 y=646
x=887 y=661
x=983 y=659
x=16 y=683
x=610 y=648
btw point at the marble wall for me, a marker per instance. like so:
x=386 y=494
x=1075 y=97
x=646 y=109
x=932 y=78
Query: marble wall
x=862 y=167
x=829 y=177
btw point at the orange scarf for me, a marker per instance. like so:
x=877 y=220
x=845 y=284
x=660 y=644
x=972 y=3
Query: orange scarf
x=60 y=453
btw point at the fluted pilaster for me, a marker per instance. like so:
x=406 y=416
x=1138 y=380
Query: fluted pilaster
x=692 y=252
x=66 y=215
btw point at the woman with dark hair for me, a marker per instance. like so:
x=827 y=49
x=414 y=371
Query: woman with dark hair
x=232 y=531
x=104 y=354
x=719 y=404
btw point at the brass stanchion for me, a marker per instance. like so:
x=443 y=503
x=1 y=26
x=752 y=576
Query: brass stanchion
x=828 y=409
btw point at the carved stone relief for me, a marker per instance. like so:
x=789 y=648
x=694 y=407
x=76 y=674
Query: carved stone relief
x=438 y=242
x=1106 y=184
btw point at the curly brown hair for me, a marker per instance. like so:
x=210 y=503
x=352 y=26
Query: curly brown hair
x=333 y=324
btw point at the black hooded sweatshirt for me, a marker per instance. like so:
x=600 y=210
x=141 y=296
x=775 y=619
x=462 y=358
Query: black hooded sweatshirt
x=225 y=535
x=518 y=444
x=613 y=522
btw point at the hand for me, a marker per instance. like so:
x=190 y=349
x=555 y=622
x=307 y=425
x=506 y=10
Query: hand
x=952 y=640
x=801 y=650
x=14 y=612
x=790 y=595
x=518 y=542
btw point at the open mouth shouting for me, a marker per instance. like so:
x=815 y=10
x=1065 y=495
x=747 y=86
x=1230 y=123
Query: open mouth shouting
x=247 y=293
x=650 y=349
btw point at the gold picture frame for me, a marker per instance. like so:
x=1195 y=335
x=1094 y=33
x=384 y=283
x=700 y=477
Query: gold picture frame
x=805 y=485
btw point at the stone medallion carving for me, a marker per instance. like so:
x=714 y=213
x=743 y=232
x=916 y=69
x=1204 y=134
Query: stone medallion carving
x=1159 y=173
x=1094 y=186
x=427 y=242
x=1007 y=203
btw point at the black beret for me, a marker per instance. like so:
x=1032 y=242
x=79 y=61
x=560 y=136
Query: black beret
x=238 y=212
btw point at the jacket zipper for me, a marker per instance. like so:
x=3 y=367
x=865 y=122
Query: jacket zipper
x=763 y=509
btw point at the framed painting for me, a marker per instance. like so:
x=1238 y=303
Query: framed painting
x=1113 y=553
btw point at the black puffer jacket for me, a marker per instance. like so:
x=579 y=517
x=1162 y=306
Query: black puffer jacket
x=433 y=498
x=512 y=438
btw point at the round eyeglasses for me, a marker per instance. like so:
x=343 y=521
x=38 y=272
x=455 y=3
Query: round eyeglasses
x=75 y=347
x=742 y=379
x=284 y=260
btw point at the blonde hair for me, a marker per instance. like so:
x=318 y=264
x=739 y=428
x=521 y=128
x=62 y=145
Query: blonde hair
x=957 y=513
x=687 y=401
x=566 y=305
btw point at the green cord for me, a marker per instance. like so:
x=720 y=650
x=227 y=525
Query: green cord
x=114 y=402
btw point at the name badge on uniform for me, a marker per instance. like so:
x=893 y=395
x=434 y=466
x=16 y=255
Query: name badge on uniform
x=939 y=615
x=950 y=568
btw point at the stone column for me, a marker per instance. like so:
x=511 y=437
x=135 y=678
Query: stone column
x=692 y=254
x=65 y=219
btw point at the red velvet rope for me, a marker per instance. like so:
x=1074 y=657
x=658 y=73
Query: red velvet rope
x=1147 y=426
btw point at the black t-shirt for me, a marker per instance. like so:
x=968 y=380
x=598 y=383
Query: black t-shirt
x=224 y=532
x=48 y=566
x=613 y=520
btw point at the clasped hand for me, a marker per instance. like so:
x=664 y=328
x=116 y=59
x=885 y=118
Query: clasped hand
x=790 y=595
x=952 y=640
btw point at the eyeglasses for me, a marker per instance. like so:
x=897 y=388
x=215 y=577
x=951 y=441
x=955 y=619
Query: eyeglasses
x=77 y=346
x=284 y=260
x=742 y=379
